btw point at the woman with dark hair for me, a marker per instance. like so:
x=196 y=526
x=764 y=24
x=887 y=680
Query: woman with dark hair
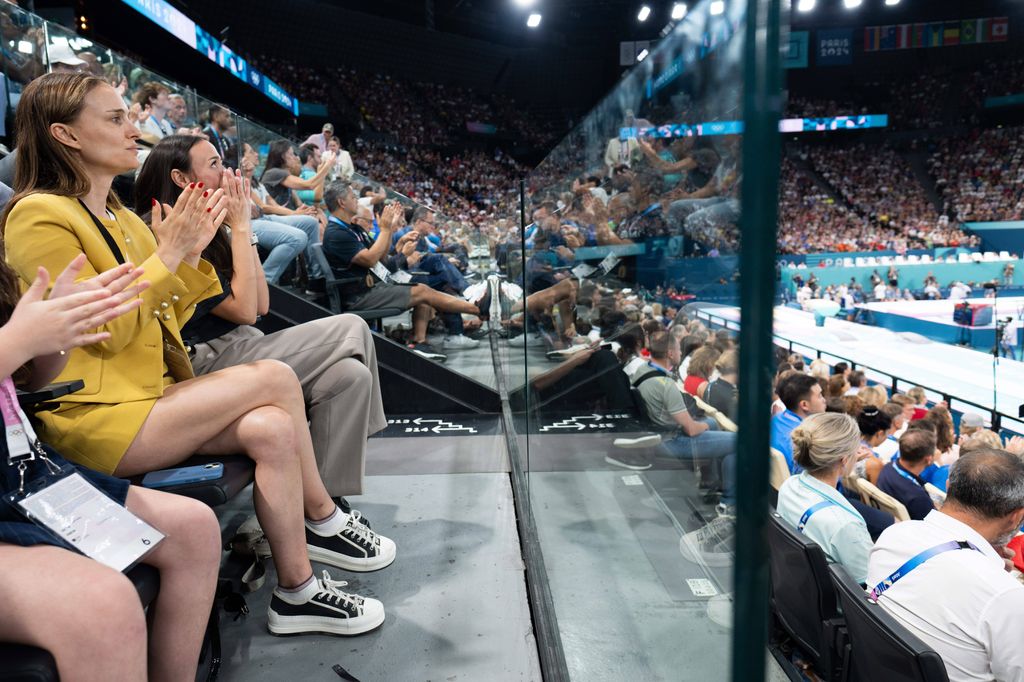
x=142 y=408
x=874 y=429
x=36 y=335
x=334 y=358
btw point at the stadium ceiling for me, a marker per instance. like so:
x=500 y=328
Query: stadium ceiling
x=598 y=21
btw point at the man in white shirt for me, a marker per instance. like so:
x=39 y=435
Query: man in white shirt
x=880 y=291
x=959 y=291
x=961 y=601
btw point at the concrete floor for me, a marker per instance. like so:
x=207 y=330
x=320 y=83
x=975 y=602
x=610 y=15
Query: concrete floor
x=455 y=597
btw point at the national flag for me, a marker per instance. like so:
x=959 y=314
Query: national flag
x=904 y=34
x=998 y=30
x=887 y=40
x=933 y=34
x=871 y=34
x=919 y=33
x=951 y=34
x=970 y=31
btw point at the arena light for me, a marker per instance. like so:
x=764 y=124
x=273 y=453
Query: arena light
x=533 y=21
x=524 y=3
x=678 y=11
x=890 y=3
x=643 y=55
x=717 y=7
x=644 y=13
x=852 y=4
x=805 y=5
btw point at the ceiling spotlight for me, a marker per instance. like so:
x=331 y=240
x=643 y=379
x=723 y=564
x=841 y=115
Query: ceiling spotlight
x=852 y=4
x=717 y=7
x=644 y=12
x=533 y=21
x=524 y=3
x=890 y=3
x=678 y=10
x=643 y=55
x=805 y=5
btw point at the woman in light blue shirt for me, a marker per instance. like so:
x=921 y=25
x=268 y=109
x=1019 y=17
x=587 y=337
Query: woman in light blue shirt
x=826 y=446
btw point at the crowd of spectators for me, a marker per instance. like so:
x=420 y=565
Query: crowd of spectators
x=979 y=175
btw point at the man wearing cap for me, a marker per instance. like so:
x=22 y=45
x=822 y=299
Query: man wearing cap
x=322 y=138
x=945 y=577
x=64 y=60
x=971 y=423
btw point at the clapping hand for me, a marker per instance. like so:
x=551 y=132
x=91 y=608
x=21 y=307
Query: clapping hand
x=62 y=321
x=392 y=217
x=187 y=229
x=236 y=198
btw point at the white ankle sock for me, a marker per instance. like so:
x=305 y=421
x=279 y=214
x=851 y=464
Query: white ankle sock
x=332 y=525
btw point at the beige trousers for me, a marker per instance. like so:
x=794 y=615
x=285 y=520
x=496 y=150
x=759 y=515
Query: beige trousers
x=336 y=363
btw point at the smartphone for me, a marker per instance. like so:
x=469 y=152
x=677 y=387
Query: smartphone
x=166 y=478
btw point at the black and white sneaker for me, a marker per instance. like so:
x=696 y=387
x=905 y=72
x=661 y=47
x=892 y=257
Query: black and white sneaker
x=354 y=548
x=629 y=459
x=321 y=607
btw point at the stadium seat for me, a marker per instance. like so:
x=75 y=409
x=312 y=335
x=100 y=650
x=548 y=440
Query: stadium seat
x=803 y=598
x=334 y=294
x=926 y=258
x=1005 y=255
x=779 y=469
x=879 y=647
x=874 y=497
x=913 y=259
x=990 y=256
x=937 y=494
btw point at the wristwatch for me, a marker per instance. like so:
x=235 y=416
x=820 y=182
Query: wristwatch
x=254 y=239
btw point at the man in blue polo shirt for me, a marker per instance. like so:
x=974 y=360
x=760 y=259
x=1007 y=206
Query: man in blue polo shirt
x=901 y=477
x=801 y=394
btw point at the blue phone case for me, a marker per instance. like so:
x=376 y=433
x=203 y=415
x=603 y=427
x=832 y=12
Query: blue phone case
x=183 y=475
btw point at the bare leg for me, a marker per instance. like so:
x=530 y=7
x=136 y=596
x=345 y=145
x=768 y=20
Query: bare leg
x=421 y=315
x=258 y=409
x=441 y=302
x=188 y=561
x=85 y=614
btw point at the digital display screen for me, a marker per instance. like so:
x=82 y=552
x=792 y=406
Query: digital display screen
x=786 y=125
x=186 y=30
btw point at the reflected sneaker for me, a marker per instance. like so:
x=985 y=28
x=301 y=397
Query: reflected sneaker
x=427 y=351
x=632 y=460
x=321 y=607
x=711 y=545
x=354 y=547
x=530 y=340
x=460 y=342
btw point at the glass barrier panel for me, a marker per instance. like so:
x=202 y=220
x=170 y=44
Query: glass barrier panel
x=629 y=396
x=24 y=51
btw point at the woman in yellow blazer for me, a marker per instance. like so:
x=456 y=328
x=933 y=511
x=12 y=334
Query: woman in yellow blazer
x=142 y=409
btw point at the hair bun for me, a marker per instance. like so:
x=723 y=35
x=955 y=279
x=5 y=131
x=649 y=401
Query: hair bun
x=870 y=411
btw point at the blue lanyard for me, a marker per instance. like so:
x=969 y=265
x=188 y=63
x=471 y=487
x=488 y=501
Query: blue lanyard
x=810 y=512
x=916 y=561
x=905 y=474
x=360 y=235
x=660 y=369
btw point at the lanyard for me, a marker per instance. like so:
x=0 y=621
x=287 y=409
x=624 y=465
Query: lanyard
x=20 y=435
x=916 y=561
x=22 y=443
x=905 y=474
x=118 y=256
x=360 y=235
x=661 y=369
x=810 y=512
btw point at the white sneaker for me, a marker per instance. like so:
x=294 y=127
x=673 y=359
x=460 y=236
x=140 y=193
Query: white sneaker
x=353 y=548
x=711 y=545
x=460 y=342
x=321 y=607
x=531 y=340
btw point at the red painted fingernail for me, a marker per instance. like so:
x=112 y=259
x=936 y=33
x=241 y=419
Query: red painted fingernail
x=154 y=202
x=209 y=209
x=192 y=185
x=200 y=185
x=206 y=193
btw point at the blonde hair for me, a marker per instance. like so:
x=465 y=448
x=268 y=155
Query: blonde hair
x=820 y=369
x=873 y=395
x=702 y=362
x=824 y=440
x=728 y=362
x=917 y=395
x=982 y=439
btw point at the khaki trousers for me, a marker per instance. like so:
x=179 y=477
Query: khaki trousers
x=336 y=363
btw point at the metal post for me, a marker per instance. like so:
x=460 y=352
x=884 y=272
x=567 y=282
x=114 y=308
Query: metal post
x=762 y=109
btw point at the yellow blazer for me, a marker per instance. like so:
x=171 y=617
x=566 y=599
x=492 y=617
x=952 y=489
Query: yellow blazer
x=127 y=373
